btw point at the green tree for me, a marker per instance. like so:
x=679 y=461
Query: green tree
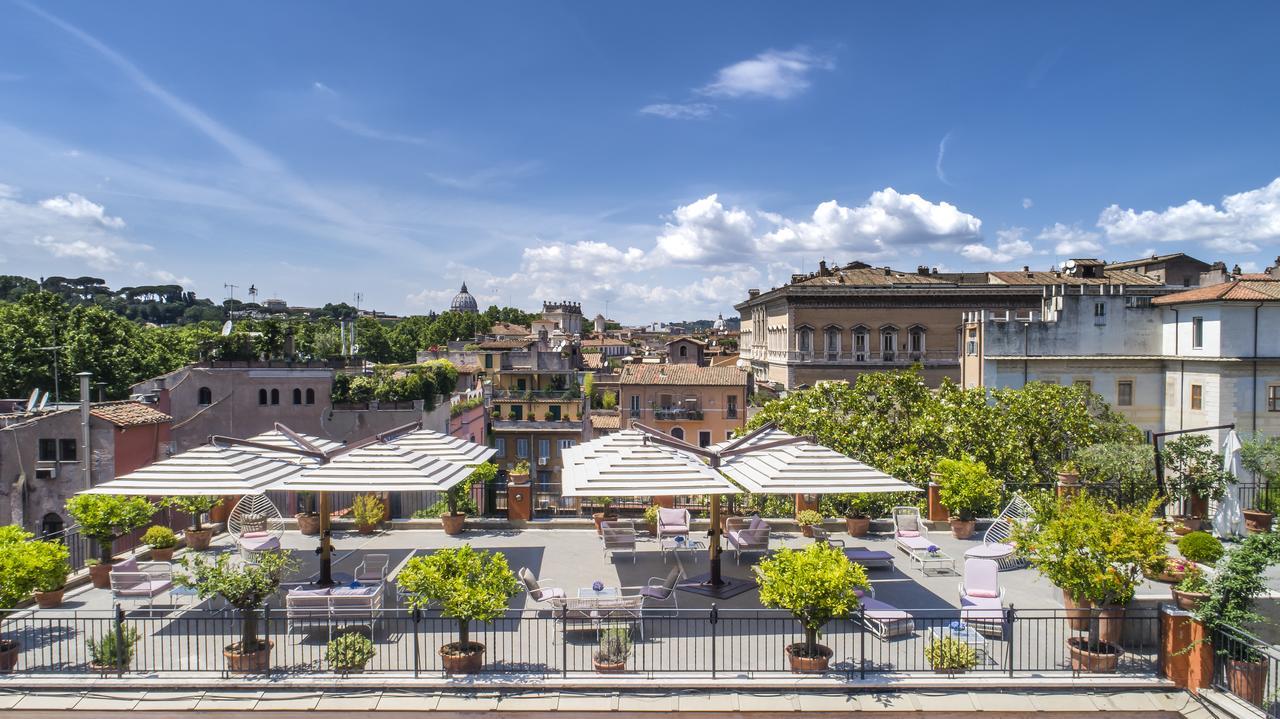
x=105 y=517
x=816 y=584
x=462 y=583
x=243 y=586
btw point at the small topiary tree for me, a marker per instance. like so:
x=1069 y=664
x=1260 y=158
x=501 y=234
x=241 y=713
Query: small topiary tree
x=243 y=586
x=463 y=584
x=816 y=584
x=1200 y=547
x=194 y=505
x=349 y=652
x=104 y=517
x=1194 y=468
x=159 y=537
x=966 y=488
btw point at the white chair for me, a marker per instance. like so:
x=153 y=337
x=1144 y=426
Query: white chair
x=373 y=569
x=673 y=522
x=255 y=525
x=869 y=558
x=539 y=591
x=908 y=531
x=661 y=590
x=619 y=537
x=134 y=580
x=982 y=597
x=884 y=620
x=997 y=541
x=747 y=534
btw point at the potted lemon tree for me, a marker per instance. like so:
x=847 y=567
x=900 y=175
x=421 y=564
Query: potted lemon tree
x=162 y=541
x=966 y=489
x=19 y=577
x=368 y=512
x=245 y=587
x=197 y=535
x=1195 y=476
x=104 y=518
x=816 y=584
x=52 y=565
x=458 y=497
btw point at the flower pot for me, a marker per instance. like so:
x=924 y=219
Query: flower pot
x=1167 y=577
x=198 y=539
x=219 y=514
x=8 y=654
x=1102 y=659
x=51 y=600
x=1077 y=611
x=162 y=554
x=1188 y=601
x=366 y=528
x=962 y=528
x=1198 y=507
x=857 y=526
x=247 y=662
x=1186 y=524
x=101 y=575
x=459 y=658
x=653 y=528
x=1257 y=521
x=1110 y=624
x=802 y=664
x=1247 y=680
x=308 y=523
x=453 y=523
x=609 y=667
x=806 y=530
x=599 y=517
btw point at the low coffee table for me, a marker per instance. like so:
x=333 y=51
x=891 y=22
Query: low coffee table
x=670 y=544
x=939 y=560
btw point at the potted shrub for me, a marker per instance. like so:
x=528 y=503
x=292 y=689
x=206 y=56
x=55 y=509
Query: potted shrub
x=808 y=519
x=162 y=541
x=462 y=584
x=197 y=536
x=948 y=655
x=1261 y=456
x=18 y=578
x=52 y=565
x=1068 y=476
x=606 y=513
x=368 y=511
x=1238 y=582
x=859 y=510
x=614 y=649
x=103 y=518
x=816 y=584
x=1172 y=571
x=244 y=587
x=349 y=653
x=107 y=655
x=1194 y=476
x=1189 y=593
x=1200 y=547
x=458 y=497
x=651 y=519
x=308 y=520
x=966 y=489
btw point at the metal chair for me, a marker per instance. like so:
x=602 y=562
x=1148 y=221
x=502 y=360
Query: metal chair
x=255 y=524
x=619 y=537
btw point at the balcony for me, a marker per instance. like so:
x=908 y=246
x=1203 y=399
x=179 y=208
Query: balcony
x=535 y=395
x=677 y=414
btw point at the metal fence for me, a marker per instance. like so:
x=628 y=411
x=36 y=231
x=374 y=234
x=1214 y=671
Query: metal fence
x=83 y=548
x=1248 y=668
x=561 y=642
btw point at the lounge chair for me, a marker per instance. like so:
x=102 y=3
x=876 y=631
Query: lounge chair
x=908 y=531
x=982 y=597
x=869 y=558
x=997 y=544
x=539 y=591
x=333 y=606
x=884 y=620
x=747 y=534
x=661 y=590
x=673 y=522
x=619 y=537
x=597 y=612
x=136 y=580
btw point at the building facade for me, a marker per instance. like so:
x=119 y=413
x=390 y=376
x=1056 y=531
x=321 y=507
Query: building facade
x=701 y=405
x=686 y=350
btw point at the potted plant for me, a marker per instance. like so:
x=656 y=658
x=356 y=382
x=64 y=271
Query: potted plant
x=1195 y=476
x=613 y=650
x=107 y=655
x=808 y=519
x=244 y=587
x=1068 y=474
x=462 y=584
x=162 y=541
x=368 y=512
x=1189 y=593
x=651 y=519
x=308 y=520
x=948 y=655
x=103 y=518
x=1172 y=571
x=859 y=510
x=1200 y=547
x=454 y=519
x=1261 y=456
x=1238 y=582
x=816 y=584
x=966 y=489
x=197 y=536
x=349 y=653
x=52 y=566
x=606 y=513
x=519 y=474
x=18 y=578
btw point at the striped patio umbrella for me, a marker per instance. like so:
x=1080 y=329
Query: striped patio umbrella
x=624 y=464
x=206 y=470
x=443 y=446
x=775 y=462
x=381 y=467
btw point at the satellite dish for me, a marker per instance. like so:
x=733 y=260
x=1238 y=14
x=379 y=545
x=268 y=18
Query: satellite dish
x=1068 y=265
x=31 y=402
x=226 y=328
x=43 y=401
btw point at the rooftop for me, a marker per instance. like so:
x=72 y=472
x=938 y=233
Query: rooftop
x=1234 y=291
x=683 y=374
x=505 y=344
x=1152 y=260
x=129 y=414
x=605 y=420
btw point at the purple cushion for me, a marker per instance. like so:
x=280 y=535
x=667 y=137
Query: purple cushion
x=259 y=543
x=549 y=593
x=756 y=523
x=259 y=533
x=352 y=591
x=980 y=592
x=303 y=592
x=655 y=592
x=128 y=565
x=908 y=533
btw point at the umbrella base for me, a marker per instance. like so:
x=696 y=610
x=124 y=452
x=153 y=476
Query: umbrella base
x=728 y=588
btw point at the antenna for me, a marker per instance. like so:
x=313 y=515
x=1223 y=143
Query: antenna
x=57 y=396
x=253 y=293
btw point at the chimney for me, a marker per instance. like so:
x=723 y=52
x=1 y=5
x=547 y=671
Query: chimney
x=1026 y=268
x=85 y=400
x=822 y=268
x=922 y=269
x=887 y=271
x=753 y=293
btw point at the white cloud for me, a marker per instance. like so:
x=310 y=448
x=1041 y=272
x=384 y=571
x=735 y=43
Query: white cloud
x=771 y=74
x=1027 y=204
x=889 y=223
x=323 y=89
x=163 y=277
x=1070 y=239
x=97 y=256
x=680 y=111
x=1245 y=219
x=359 y=129
x=942 y=153
x=706 y=232
x=8 y=192
x=1009 y=246
x=78 y=207
x=498 y=176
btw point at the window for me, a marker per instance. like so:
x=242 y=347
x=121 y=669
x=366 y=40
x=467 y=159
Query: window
x=804 y=340
x=500 y=444
x=48 y=450
x=1273 y=398
x=67 y=450
x=677 y=432
x=1099 y=313
x=297 y=396
x=728 y=434
x=553 y=413
x=635 y=405
x=859 y=344
x=1197 y=396
x=262 y=396
x=704 y=438
x=311 y=396
x=971 y=348
x=1086 y=383
x=1124 y=393
x=833 y=343
x=684 y=351
x=916 y=341
x=731 y=407
x=888 y=343
x=275 y=396
x=204 y=396
x=516 y=412
x=565 y=443
x=522 y=449
x=1197 y=332
x=51 y=525
x=488 y=361
x=544 y=448
x=544 y=480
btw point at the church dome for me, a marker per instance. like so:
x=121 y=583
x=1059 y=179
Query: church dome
x=718 y=325
x=464 y=302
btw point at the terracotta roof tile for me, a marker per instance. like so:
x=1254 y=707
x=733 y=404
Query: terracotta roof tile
x=129 y=414
x=605 y=420
x=688 y=339
x=604 y=342
x=683 y=374
x=1234 y=291
x=507 y=328
x=593 y=360
x=1152 y=260
x=1111 y=277
x=505 y=344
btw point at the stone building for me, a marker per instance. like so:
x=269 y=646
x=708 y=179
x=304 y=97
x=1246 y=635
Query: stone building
x=566 y=316
x=701 y=405
x=687 y=350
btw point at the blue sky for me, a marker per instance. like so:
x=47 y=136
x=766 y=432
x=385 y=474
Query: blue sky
x=660 y=157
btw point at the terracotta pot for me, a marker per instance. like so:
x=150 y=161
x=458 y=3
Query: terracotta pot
x=256 y=661
x=101 y=575
x=1110 y=625
x=1187 y=524
x=462 y=659
x=366 y=528
x=220 y=513
x=653 y=528
x=806 y=665
x=1083 y=660
x=608 y=667
x=1188 y=601
x=51 y=600
x=1198 y=507
x=806 y=530
x=198 y=539
x=9 y=654
x=1247 y=680
x=1257 y=521
x=962 y=528
x=724 y=522
x=453 y=523
x=1167 y=577
x=1077 y=611
x=162 y=554
x=857 y=526
x=603 y=517
x=308 y=523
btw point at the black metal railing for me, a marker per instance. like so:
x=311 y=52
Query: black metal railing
x=564 y=640
x=83 y=548
x=1248 y=668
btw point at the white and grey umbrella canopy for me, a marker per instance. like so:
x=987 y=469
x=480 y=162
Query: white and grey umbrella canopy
x=801 y=468
x=279 y=439
x=623 y=465
x=206 y=470
x=380 y=467
x=443 y=446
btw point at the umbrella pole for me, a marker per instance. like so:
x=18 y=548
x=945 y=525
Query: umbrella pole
x=326 y=549
x=715 y=580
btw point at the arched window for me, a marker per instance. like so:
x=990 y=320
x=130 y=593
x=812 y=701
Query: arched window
x=915 y=341
x=311 y=396
x=832 y=343
x=204 y=396
x=275 y=396
x=888 y=343
x=684 y=351
x=804 y=340
x=51 y=524
x=860 y=334
x=262 y=396
x=677 y=432
x=297 y=396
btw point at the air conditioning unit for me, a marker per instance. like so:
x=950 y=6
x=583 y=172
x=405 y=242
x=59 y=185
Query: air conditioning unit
x=50 y=472
x=542 y=461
